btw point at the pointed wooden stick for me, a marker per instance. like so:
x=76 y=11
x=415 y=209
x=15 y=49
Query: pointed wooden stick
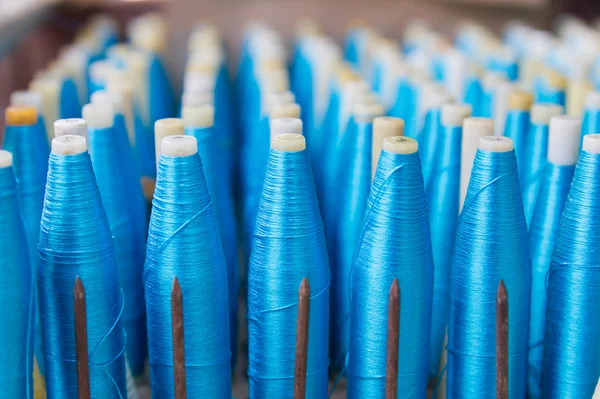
x=502 y=342
x=177 y=337
x=302 y=340
x=81 y=342
x=393 y=340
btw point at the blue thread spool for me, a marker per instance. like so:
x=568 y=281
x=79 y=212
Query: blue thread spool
x=394 y=243
x=28 y=143
x=517 y=125
x=354 y=185
x=555 y=182
x=289 y=245
x=571 y=344
x=504 y=61
x=199 y=123
x=184 y=242
x=591 y=115
x=77 y=59
x=494 y=101
x=100 y=72
x=73 y=213
x=56 y=101
x=453 y=72
x=473 y=129
x=536 y=150
x=108 y=147
x=549 y=87
x=442 y=191
x=17 y=290
x=33 y=99
x=474 y=92
x=491 y=244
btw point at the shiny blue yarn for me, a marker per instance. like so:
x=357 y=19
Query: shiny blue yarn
x=30 y=149
x=288 y=246
x=214 y=172
x=543 y=231
x=442 y=193
x=183 y=242
x=108 y=147
x=590 y=123
x=534 y=161
x=473 y=95
x=428 y=140
x=517 y=128
x=405 y=106
x=75 y=240
x=490 y=245
x=17 y=292
x=69 y=105
x=394 y=243
x=543 y=93
x=352 y=188
x=572 y=335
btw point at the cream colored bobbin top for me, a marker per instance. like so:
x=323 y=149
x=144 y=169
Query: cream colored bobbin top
x=591 y=143
x=473 y=130
x=366 y=112
x=283 y=97
x=20 y=116
x=71 y=127
x=383 y=126
x=478 y=127
x=101 y=70
x=179 y=146
x=6 y=159
x=69 y=145
x=288 y=142
x=291 y=110
x=198 y=98
x=199 y=116
x=27 y=98
x=455 y=114
x=400 y=145
x=114 y=100
x=592 y=100
x=563 y=140
x=542 y=113
x=98 y=116
x=496 y=144
x=519 y=99
x=286 y=125
x=166 y=127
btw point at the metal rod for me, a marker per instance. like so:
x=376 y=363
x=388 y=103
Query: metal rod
x=302 y=340
x=502 y=342
x=393 y=340
x=177 y=337
x=81 y=341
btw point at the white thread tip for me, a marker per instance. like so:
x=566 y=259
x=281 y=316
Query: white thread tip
x=69 y=145
x=563 y=140
x=98 y=116
x=201 y=116
x=591 y=143
x=72 y=127
x=26 y=98
x=400 y=145
x=496 y=144
x=6 y=159
x=179 y=146
x=285 y=125
x=455 y=114
x=288 y=142
x=543 y=112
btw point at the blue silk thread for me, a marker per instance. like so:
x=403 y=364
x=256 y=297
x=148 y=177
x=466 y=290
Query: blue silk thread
x=535 y=159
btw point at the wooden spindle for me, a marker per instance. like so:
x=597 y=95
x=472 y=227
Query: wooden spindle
x=178 y=343
x=393 y=340
x=502 y=342
x=81 y=341
x=302 y=339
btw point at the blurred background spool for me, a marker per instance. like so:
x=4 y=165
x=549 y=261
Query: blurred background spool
x=555 y=182
x=395 y=230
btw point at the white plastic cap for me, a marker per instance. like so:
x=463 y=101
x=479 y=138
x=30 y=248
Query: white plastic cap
x=400 y=145
x=563 y=140
x=98 y=116
x=198 y=98
x=592 y=100
x=285 y=125
x=166 y=127
x=100 y=71
x=199 y=82
x=366 y=112
x=114 y=100
x=496 y=144
x=179 y=146
x=6 y=159
x=288 y=142
x=455 y=114
x=199 y=116
x=591 y=143
x=70 y=127
x=542 y=113
x=27 y=98
x=69 y=145
x=290 y=110
x=479 y=127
